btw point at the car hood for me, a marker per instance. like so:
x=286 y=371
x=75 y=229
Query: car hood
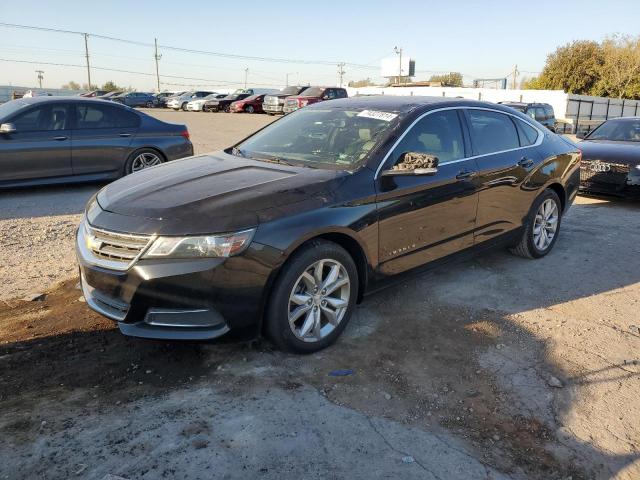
x=611 y=151
x=211 y=193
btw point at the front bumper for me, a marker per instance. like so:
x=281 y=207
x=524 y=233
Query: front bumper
x=195 y=299
x=194 y=107
x=609 y=178
x=289 y=108
x=272 y=108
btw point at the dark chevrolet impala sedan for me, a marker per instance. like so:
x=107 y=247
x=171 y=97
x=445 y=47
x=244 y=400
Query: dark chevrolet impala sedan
x=284 y=232
x=46 y=140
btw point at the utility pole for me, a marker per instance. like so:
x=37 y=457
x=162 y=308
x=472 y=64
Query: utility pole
x=86 y=54
x=157 y=57
x=246 y=74
x=399 y=52
x=291 y=73
x=515 y=77
x=40 y=76
x=341 y=72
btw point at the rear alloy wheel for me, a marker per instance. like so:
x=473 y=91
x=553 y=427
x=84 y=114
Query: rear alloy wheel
x=143 y=159
x=313 y=298
x=149 y=104
x=542 y=227
x=249 y=109
x=184 y=106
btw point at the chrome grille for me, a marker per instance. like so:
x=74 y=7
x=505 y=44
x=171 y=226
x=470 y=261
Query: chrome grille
x=114 y=249
x=603 y=172
x=271 y=100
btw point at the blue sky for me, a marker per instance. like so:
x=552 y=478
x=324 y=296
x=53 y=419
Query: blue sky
x=479 y=39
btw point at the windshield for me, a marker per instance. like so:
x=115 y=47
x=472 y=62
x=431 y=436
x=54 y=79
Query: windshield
x=333 y=138
x=312 y=92
x=290 y=90
x=233 y=96
x=617 y=130
x=9 y=108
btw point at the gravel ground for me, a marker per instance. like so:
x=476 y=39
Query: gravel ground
x=494 y=368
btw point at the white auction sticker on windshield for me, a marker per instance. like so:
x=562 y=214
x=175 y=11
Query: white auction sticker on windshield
x=378 y=115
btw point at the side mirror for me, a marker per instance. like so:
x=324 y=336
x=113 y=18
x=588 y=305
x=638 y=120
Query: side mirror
x=580 y=135
x=7 y=128
x=414 y=163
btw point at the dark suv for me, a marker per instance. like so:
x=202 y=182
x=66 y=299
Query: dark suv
x=541 y=112
x=313 y=95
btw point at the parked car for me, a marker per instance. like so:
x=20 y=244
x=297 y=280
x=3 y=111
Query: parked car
x=274 y=102
x=163 y=97
x=110 y=95
x=181 y=101
x=35 y=93
x=48 y=140
x=284 y=232
x=611 y=158
x=541 y=112
x=256 y=91
x=252 y=104
x=198 y=104
x=93 y=93
x=223 y=104
x=313 y=95
x=136 y=99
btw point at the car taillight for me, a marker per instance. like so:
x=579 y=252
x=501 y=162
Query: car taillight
x=185 y=134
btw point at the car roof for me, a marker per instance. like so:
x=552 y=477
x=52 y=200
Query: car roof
x=524 y=104
x=69 y=99
x=405 y=104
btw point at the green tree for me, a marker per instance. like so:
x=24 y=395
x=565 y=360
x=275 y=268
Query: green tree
x=575 y=68
x=361 y=83
x=71 y=86
x=620 y=76
x=110 y=86
x=451 y=79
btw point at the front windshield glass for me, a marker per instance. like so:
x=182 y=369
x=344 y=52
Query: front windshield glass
x=290 y=90
x=312 y=92
x=330 y=138
x=233 y=96
x=9 y=108
x=617 y=130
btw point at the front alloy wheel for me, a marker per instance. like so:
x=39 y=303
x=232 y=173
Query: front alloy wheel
x=319 y=300
x=313 y=298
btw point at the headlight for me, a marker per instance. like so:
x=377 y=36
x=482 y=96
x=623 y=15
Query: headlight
x=225 y=245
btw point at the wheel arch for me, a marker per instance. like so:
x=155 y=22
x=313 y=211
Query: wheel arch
x=346 y=240
x=561 y=192
x=137 y=150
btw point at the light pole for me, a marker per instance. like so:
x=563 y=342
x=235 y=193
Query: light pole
x=40 y=76
x=246 y=74
x=399 y=52
x=287 y=75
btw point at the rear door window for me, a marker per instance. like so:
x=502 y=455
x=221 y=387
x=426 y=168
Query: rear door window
x=104 y=116
x=492 y=132
x=528 y=135
x=541 y=116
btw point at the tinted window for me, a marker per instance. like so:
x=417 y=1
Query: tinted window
x=528 y=134
x=548 y=110
x=540 y=114
x=313 y=92
x=492 y=132
x=42 y=118
x=439 y=134
x=618 y=130
x=104 y=116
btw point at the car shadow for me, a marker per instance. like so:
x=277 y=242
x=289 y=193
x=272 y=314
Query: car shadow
x=44 y=201
x=447 y=351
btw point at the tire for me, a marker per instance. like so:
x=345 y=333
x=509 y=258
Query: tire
x=184 y=107
x=149 y=105
x=227 y=109
x=307 y=335
x=249 y=109
x=530 y=244
x=131 y=165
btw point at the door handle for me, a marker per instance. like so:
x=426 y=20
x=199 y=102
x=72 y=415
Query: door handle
x=125 y=134
x=60 y=139
x=466 y=174
x=525 y=162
